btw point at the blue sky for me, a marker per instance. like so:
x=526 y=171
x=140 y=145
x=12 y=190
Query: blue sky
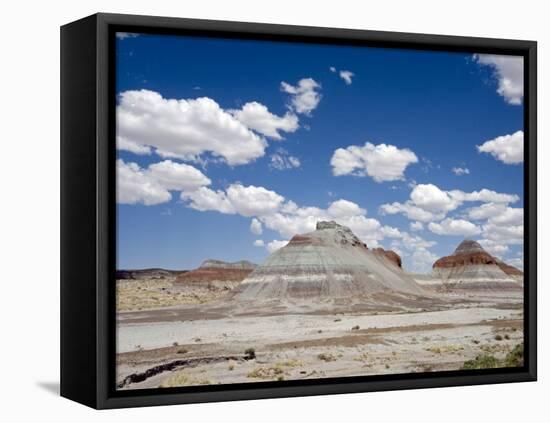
x=216 y=134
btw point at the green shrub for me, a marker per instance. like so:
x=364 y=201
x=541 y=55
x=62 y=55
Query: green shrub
x=515 y=357
x=482 y=362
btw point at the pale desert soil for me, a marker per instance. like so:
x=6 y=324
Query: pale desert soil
x=147 y=294
x=180 y=345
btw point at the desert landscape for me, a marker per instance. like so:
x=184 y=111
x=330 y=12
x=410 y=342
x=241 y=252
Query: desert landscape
x=325 y=305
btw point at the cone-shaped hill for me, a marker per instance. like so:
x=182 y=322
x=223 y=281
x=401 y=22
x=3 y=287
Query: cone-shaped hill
x=330 y=262
x=470 y=263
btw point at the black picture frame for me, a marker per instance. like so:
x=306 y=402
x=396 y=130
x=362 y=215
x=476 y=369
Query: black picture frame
x=88 y=210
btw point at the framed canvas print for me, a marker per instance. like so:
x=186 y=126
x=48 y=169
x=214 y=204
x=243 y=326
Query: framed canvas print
x=257 y=211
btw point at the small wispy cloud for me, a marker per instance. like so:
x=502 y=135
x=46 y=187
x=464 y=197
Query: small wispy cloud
x=282 y=160
x=346 y=75
x=459 y=171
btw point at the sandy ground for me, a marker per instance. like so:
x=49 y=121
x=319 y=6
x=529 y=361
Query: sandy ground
x=146 y=294
x=180 y=345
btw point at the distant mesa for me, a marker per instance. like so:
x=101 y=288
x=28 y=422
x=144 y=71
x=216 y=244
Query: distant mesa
x=470 y=263
x=153 y=273
x=330 y=262
x=217 y=270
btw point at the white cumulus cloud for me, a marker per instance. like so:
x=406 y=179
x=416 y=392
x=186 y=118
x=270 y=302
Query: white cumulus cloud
x=411 y=211
x=506 y=148
x=484 y=195
x=493 y=248
x=416 y=226
x=206 y=199
x=509 y=216
x=508 y=235
x=431 y=198
x=422 y=260
x=305 y=96
x=153 y=185
x=134 y=186
x=485 y=211
x=454 y=227
x=178 y=176
x=271 y=210
x=508 y=70
x=183 y=128
x=345 y=208
x=256 y=116
x=259 y=243
x=429 y=203
x=256 y=227
x=237 y=199
x=381 y=162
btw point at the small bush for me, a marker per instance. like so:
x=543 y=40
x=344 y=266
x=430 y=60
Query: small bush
x=506 y=336
x=498 y=338
x=250 y=354
x=266 y=372
x=482 y=362
x=182 y=351
x=356 y=327
x=182 y=379
x=291 y=363
x=515 y=357
x=326 y=357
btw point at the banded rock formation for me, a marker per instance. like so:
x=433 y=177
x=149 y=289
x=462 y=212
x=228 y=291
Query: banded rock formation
x=470 y=263
x=328 y=263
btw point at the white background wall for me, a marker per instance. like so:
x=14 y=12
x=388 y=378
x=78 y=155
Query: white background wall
x=29 y=166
